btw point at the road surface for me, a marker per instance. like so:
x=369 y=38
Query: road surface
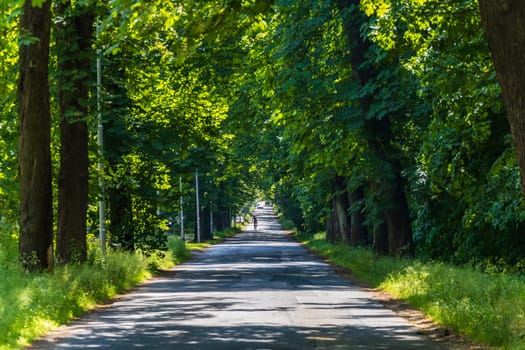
x=258 y=290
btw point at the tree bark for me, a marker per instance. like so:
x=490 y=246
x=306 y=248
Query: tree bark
x=73 y=40
x=358 y=234
x=379 y=135
x=398 y=221
x=391 y=187
x=340 y=209
x=36 y=206
x=380 y=240
x=121 y=218
x=222 y=219
x=330 y=228
x=206 y=235
x=504 y=26
x=379 y=228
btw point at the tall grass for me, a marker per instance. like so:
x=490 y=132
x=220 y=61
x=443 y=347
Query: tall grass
x=31 y=304
x=489 y=308
x=178 y=249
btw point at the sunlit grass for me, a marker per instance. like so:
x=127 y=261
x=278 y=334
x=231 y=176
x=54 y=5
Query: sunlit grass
x=489 y=308
x=198 y=246
x=217 y=238
x=285 y=223
x=32 y=304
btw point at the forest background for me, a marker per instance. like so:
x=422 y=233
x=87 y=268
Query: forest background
x=382 y=123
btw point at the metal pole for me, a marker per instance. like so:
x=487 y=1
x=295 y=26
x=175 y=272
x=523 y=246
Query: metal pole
x=100 y=142
x=197 y=207
x=211 y=223
x=181 y=211
x=230 y=217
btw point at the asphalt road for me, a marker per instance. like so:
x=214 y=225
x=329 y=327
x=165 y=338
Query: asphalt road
x=258 y=290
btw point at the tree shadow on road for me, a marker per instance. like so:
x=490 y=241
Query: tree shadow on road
x=243 y=294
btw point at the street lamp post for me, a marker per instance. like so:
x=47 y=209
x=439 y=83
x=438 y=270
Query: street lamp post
x=100 y=142
x=197 y=207
x=183 y=236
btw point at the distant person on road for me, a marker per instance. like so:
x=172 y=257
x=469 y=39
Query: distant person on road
x=254 y=220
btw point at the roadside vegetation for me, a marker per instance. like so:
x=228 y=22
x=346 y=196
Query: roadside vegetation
x=34 y=303
x=383 y=123
x=218 y=237
x=486 y=306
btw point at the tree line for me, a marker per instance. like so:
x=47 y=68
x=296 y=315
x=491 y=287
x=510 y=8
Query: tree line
x=393 y=124
x=396 y=124
x=162 y=114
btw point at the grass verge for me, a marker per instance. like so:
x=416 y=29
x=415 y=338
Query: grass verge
x=32 y=304
x=218 y=237
x=488 y=308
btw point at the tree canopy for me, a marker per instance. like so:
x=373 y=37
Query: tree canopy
x=381 y=122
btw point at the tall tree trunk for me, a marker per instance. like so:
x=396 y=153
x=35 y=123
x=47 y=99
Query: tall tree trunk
x=221 y=219
x=205 y=226
x=121 y=218
x=330 y=227
x=504 y=25
x=358 y=234
x=398 y=222
x=73 y=40
x=391 y=187
x=341 y=208
x=380 y=228
x=379 y=136
x=380 y=239
x=36 y=206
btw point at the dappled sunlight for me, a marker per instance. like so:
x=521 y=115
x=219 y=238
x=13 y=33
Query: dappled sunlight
x=257 y=290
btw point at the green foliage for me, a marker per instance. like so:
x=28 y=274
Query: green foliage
x=8 y=244
x=285 y=223
x=452 y=296
x=260 y=96
x=169 y=104
x=461 y=139
x=178 y=248
x=32 y=304
x=9 y=192
x=429 y=74
x=38 y=3
x=300 y=120
x=487 y=307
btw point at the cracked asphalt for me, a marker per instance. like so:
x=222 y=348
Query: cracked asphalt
x=257 y=290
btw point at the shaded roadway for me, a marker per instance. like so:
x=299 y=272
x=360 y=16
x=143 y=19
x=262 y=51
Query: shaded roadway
x=257 y=290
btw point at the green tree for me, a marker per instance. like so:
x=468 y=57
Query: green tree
x=456 y=138
x=9 y=181
x=165 y=109
x=36 y=214
x=118 y=141
x=502 y=20
x=74 y=35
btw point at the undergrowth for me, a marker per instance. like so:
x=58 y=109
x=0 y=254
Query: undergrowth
x=488 y=308
x=218 y=236
x=32 y=304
